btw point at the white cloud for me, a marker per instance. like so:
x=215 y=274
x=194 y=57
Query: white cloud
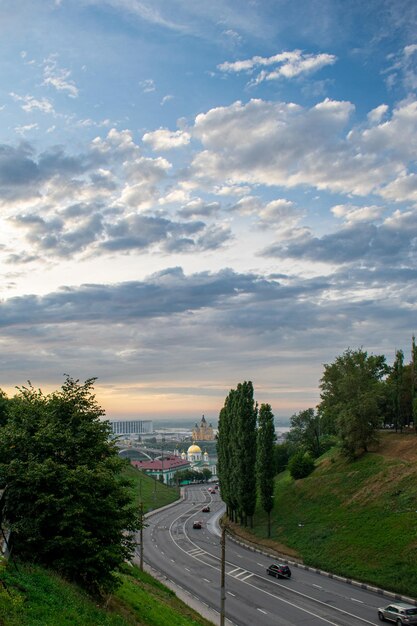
x=148 y=85
x=30 y=103
x=351 y=213
x=164 y=139
x=376 y=115
x=58 y=78
x=290 y=64
x=275 y=143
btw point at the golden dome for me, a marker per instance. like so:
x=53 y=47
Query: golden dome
x=194 y=449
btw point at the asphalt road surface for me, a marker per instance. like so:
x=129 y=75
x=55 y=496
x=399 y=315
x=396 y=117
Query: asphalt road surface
x=191 y=559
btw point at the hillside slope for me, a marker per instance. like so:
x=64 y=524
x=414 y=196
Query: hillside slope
x=355 y=519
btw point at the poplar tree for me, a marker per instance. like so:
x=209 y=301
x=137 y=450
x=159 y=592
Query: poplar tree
x=265 y=459
x=245 y=417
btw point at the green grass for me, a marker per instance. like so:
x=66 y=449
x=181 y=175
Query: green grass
x=151 y=492
x=354 y=519
x=34 y=596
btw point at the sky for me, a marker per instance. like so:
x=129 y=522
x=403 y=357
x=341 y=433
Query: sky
x=194 y=194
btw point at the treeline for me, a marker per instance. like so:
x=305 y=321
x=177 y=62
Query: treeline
x=245 y=443
x=65 y=500
x=360 y=394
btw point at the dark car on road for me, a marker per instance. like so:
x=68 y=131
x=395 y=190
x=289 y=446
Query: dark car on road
x=279 y=570
x=197 y=524
x=400 y=613
x=206 y=509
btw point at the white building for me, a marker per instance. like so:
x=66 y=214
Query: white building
x=132 y=427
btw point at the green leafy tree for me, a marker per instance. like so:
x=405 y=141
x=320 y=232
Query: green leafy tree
x=281 y=457
x=351 y=392
x=301 y=465
x=265 y=465
x=206 y=474
x=305 y=431
x=66 y=501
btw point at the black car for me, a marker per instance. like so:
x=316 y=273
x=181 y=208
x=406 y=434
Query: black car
x=206 y=509
x=197 y=524
x=279 y=570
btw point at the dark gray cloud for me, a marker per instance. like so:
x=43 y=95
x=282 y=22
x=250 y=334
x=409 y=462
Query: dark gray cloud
x=391 y=243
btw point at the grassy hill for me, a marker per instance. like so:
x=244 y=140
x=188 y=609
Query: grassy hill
x=34 y=596
x=355 y=519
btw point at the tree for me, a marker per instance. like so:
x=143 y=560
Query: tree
x=305 y=431
x=301 y=465
x=236 y=452
x=66 y=501
x=351 y=393
x=265 y=459
x=206 y=474
x=281 y=457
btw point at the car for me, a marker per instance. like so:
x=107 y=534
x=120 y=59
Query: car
x=206 y=509
x=197 y=524
x=398 y=612
x=279 y=570
x=211 y=490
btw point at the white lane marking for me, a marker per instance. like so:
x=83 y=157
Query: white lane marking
x=355 y=600
x=260 y=564
x=279 y=599
x=318 y=586
x=232 y=571
x=248 y=576
x=231 y=594
x=242 y=573
x=262 y=611
x=186 y=568
x=207 y=580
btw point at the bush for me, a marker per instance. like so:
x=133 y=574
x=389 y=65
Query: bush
x=301 y=465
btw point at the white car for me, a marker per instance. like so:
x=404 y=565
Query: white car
x=400 y=613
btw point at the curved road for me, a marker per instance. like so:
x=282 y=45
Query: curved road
x=191 y=559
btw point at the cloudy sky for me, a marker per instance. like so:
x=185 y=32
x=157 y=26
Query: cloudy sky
x=193 y=194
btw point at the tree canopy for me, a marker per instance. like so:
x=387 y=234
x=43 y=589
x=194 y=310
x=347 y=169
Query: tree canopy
x=65 y=499
x=351 y=395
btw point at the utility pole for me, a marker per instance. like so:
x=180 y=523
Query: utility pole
x=222 y=576
x=141 y=537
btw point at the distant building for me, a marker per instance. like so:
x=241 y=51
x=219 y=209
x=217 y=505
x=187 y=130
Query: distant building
x=204 y=432
x=132 y=427
x=162 y=469
x=199 y=459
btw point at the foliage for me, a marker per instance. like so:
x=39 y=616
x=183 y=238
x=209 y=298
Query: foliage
x=265 y=459
x=36 y=596
x=301 y=465
x=68 y=505
x=351 y=393
x=236 y=452
x=191 y=475
x=305 y=431
x=354 y=520
x=281 y=455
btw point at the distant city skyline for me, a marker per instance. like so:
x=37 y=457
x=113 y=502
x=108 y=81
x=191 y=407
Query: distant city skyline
x=194 y=194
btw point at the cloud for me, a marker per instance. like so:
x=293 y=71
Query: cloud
x=391 y=243
x=286 y=65
x=58 y=78
x=164 y=139
x=284 y=144
x=148 y=85
x=32 y=104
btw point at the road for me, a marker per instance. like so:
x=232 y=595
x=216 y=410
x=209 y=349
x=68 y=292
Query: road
x=191 y=558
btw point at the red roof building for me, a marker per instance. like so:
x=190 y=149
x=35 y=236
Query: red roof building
x=165 y=467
